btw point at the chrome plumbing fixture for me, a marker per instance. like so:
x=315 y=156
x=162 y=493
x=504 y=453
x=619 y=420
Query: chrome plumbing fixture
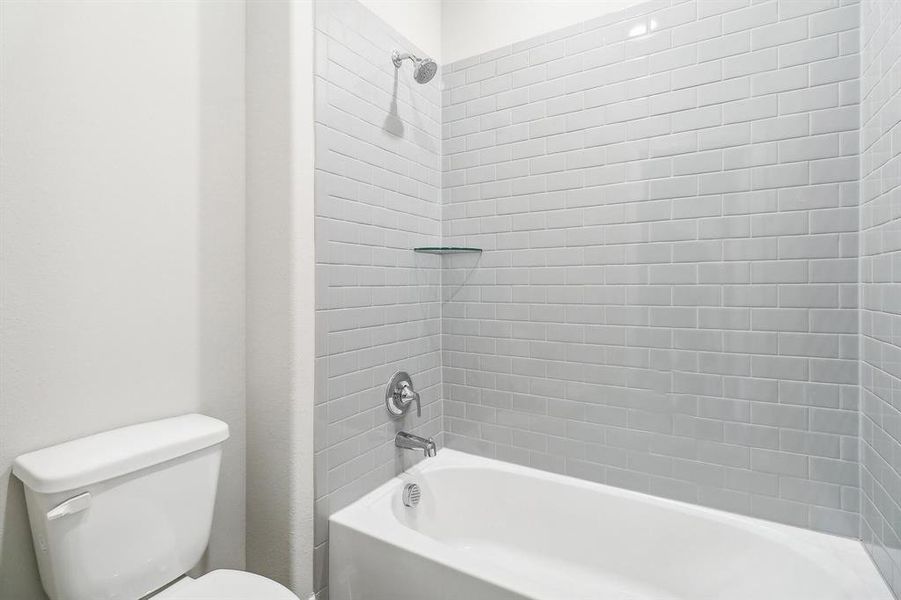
x=423 y=68
x=408 y=441
x=412 y=495
x=400 y=394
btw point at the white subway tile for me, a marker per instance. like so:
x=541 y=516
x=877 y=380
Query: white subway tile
x=807 y=100
x=837 y=119
x=717 y=7
x=780 y=176
x=697 y=75
x=780 y=128
x=832 y=21
x=673 y=59
x=750 y=18
x=778 y=34
x=724 y=137
x=835 y=169
x=750 y=63
x=798 y=8
x=844 y=68
x=697 y=31
x=751 y=110
x=728 y=45
x=783 y=80
x=673 y=101
x=682 y=200
x=727 y=181
x=808 y=51
x=753 y=155
x=809 y=148
x=700 y=118
x=725 y=91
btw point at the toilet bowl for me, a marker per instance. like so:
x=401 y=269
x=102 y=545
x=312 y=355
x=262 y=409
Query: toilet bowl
x=125 y=514
x=225 y=584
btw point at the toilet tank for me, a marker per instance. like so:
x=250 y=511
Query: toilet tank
x=119 y=514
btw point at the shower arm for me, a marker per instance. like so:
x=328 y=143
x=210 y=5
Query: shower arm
x=397 y=58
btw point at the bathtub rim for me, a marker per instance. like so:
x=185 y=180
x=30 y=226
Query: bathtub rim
x=854 y=564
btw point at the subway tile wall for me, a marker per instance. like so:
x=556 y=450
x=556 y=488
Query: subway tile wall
x=667 y=302
x=880 y=276
x=378 y=176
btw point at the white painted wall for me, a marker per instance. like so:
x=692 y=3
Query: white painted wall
x=471 y=27
x=121 y=237
x=450 y=30
x=419 y=21
x=280 y=292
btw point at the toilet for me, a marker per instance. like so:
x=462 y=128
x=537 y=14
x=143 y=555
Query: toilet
x=125 y=514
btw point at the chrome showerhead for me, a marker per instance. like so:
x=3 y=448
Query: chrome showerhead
x=423 y=68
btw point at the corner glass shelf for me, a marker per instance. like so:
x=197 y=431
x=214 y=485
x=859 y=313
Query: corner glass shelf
x=447 y=250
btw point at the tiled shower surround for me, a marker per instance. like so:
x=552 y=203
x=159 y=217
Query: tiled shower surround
x=690 y=283
x=880 y=277
x=378 y=172
x=668 y=297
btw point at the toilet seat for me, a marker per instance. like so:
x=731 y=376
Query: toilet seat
x=226 y=584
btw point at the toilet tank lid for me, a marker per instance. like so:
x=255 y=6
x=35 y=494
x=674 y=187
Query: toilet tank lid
x=78 y=463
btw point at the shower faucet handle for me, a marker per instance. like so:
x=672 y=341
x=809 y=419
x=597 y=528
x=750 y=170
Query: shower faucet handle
x=408 y=394
x=399 y=395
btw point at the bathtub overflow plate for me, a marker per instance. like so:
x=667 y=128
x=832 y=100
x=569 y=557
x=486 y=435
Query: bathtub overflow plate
x=412 y=495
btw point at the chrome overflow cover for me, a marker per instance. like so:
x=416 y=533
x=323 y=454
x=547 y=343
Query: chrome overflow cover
x=412 y=495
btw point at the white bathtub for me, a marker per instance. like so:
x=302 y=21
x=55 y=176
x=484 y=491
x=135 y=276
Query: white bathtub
x=488 y=530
